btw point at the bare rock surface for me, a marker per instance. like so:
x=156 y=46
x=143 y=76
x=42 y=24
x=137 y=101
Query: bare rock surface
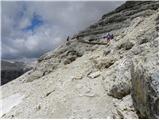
x=145 y=81
x=79 y=80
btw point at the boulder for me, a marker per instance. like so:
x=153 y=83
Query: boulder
x=71 y=56
x=119 y=90
x=125 y=45
x=104 y=63
x=35 y=75
x=69 y=60
x=145 y=87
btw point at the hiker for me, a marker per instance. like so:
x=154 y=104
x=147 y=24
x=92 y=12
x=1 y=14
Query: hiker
x=68 y=38
x=109 y=37
x=112 y=37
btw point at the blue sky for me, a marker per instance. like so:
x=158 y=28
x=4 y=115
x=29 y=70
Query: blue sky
x=36 y=21
x=29 y=29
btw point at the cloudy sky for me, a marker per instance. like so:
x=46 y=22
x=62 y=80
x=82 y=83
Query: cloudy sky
x=31 y=28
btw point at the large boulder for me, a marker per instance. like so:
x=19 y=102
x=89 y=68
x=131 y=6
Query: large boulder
x=127 y=45
x=121 y=85
x=145 y=86
x=104 y=62
x=119 y=90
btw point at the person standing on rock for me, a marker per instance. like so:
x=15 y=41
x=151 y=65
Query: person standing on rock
x=68 y=38
x=68 y=42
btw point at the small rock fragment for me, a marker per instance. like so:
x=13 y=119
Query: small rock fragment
x=94 y=75
x=77 y=77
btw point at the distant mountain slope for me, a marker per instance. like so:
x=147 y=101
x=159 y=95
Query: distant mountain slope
x=84 y=78
x=12 y=70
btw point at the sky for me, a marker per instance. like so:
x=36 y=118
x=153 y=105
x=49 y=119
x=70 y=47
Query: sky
x=31 y=28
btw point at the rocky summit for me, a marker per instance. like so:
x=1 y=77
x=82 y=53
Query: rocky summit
x=88 y=77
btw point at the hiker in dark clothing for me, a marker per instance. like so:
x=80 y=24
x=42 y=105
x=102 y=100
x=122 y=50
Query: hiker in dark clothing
x=112 y=37
x=68 y=38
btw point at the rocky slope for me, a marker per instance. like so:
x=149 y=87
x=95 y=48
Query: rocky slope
x=84 y=79
x=12 y=70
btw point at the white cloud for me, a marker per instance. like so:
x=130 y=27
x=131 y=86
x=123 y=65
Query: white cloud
x=24 y=23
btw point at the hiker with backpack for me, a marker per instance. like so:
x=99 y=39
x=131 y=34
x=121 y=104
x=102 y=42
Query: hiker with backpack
x=108 y=37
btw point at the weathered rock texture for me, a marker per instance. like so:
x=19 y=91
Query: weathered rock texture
x=145 y=83
x=85 y=79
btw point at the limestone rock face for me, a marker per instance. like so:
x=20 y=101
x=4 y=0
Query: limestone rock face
x=145 y=86
x=85 y=79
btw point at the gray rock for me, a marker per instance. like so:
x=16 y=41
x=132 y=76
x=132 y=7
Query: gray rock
x=119 y=90
x=104 y=63
x=125 y=45
x=69 y=60
x=71 y=56
x=136 y=50
x=94 y=74
x=106 y=52
x=145 y=88
x=35 y=75
x=143 y=40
